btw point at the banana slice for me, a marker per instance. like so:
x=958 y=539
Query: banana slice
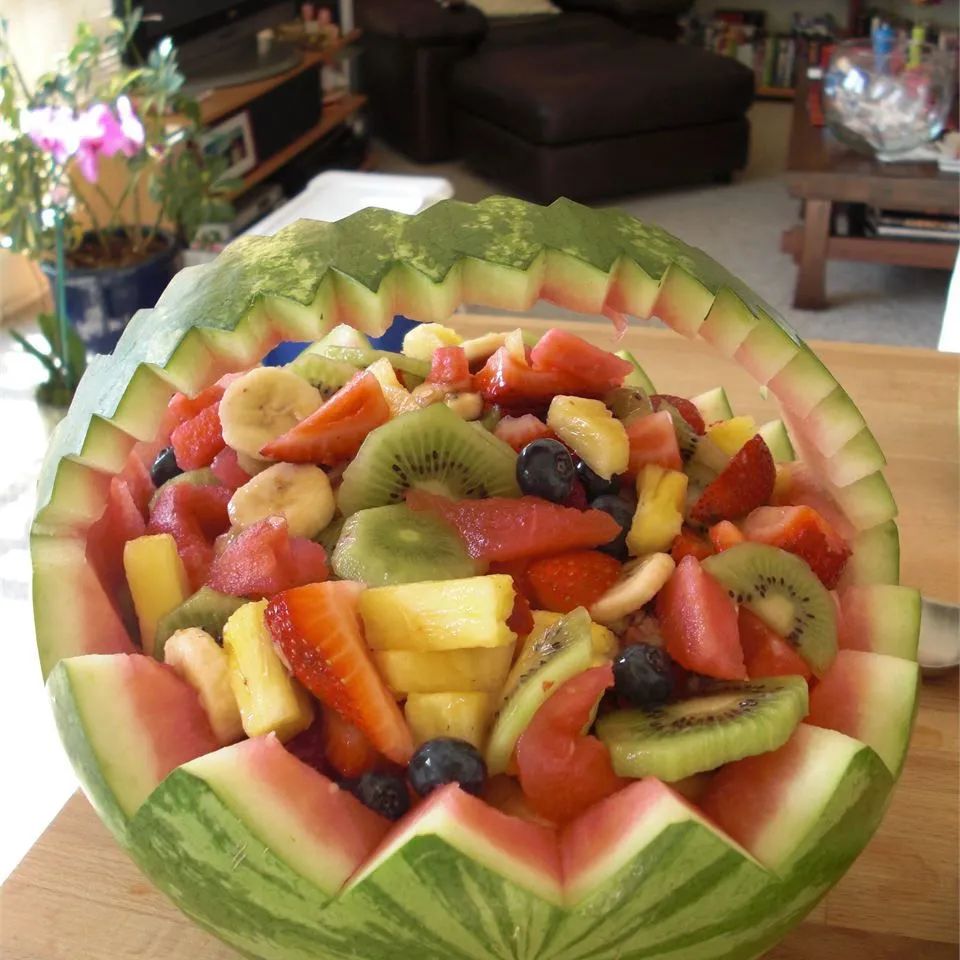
x=300 y=492
x=252 y=465
x=641 y=584
x=262 y=405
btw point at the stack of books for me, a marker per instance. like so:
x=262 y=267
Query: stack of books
x=912 y=226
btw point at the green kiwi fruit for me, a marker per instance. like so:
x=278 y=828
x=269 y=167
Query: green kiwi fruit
x=385 y=545
x=626 y=403
x=432 y=449
x=327 y=375
x=330 y=534
x=564 y=650
x=206 y=609
x=204 y=477
x=782 y=590
x=727 y=722
x=363 y=358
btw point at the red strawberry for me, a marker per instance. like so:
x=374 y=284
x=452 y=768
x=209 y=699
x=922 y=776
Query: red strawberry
x=745 y=483
x=448 y=366
x=804 y=532
x=724 y=535
x=504 y=528
x=687 y=543
x=198 y=440
x=519 y=431
x=520 y=620
x=686 y=408
x=335 y=431
x=318 y=631
x=575 y=579
x=346 y=748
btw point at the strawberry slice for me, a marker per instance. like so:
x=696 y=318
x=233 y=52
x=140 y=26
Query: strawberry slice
x=336 y=430
x=724 y=535
x=346 y=747
x=503 y=528
x=803 y=531
x=653 y=439
x=688 y=543
x=519 y=431
x=198 y=440
x=745 y=483
x=318 y=631
x=559 y=350
x=575 y=579
x=449 y=366
x=765 y=653
x=686 y=408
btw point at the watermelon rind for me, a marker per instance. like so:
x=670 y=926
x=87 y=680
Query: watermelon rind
x=361 y=271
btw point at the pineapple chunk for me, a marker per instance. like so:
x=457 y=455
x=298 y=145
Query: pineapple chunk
x=157 y=580
x=439 y=615
x=604 y=641
x=433 y=671
x=590 y=429
x=659 y=515
x=197 y=658
x=516 y=346
x=465 y=716
x=397 y=396
x=422 y=340
x=270 y=700
x=730 y=435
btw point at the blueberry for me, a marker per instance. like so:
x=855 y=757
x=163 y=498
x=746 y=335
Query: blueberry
x=593 y=483
x=622 y=512
x=545 y=469
x=164 y=467
x=447 y=760
x=642 y=675
x=383 y=793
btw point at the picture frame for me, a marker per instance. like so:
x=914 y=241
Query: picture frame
x=232 y=138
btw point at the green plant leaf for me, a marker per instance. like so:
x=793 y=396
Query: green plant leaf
x=76 y=351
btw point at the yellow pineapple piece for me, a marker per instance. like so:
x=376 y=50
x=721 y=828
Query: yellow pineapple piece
x=422 y=340
x=197 y=658
x=270 y=700
x=433 y=671
x=516 y=346
x=590 y=429
x=481 y=348
x=439 y=615
x=463 y=715
x=157 y=580
x=397 y=396
x=659 y=515
x=605 y=643
x=730 y=435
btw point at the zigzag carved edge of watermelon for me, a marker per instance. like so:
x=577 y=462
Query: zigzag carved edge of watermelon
x=501 y=253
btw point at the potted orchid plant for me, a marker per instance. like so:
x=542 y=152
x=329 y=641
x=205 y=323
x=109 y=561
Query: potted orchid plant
x=105 y=255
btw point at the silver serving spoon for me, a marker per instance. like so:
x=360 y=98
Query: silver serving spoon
x=939 y=637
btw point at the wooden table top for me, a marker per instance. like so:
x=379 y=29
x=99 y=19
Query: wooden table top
x=76 y=896
x=819 y=165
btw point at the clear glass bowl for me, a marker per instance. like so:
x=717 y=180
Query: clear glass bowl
x=882 y=103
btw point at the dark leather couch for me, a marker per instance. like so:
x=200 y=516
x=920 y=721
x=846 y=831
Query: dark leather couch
x=578 y=104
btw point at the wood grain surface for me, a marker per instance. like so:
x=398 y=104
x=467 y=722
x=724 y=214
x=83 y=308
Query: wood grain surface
x=76 y=896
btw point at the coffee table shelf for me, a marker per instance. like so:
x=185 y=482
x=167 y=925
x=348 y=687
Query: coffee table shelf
x=936 y=255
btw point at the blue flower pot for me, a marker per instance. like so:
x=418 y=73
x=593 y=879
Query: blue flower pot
x=101 y=300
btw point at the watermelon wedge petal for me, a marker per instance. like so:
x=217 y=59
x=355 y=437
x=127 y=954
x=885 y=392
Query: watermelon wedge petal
x=212 y=828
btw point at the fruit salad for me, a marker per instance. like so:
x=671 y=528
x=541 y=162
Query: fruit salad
x=507 y=563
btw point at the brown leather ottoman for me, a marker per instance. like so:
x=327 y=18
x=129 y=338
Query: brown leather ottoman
x=598 y=119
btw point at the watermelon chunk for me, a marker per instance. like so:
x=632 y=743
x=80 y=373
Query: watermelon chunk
x=653 y=440
x=566 y=352
x=880 y=618
x=198 y=440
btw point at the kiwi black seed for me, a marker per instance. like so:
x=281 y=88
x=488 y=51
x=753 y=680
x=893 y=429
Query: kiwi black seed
x=206 y=609
x=726 y=722
x=384 y=545
x=782 y=590
x=431 y=449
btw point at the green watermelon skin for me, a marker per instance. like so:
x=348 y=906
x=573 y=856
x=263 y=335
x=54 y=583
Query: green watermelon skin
x=506 y=253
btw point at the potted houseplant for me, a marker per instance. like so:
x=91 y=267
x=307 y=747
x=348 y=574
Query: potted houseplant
x=104 y=256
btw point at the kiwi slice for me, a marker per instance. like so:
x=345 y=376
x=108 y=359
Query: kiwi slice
x=204 y=477
x=327 y=375
x=385 y=545
x=785 y=594
x=432 y=449
x=564 y=650
x=363 y=358
x=330 y=534
x=625 y=403
x=687 y=438
x=206 y=609
x=728 y=722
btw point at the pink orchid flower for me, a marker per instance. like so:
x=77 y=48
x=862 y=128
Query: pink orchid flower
x=103 y=134
x=53 y=129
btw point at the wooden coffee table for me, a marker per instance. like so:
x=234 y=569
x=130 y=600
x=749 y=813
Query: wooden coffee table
x=821 y=171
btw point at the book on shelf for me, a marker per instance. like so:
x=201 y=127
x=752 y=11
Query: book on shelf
x=912 y=226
